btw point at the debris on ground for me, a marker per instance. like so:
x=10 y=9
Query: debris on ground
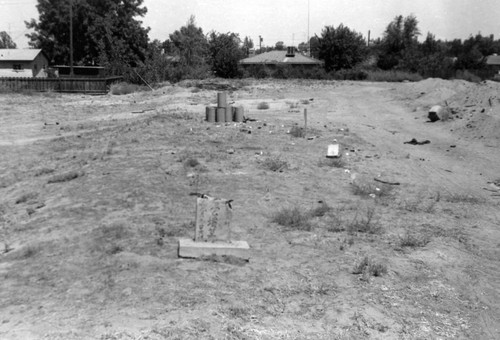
x=416 y=142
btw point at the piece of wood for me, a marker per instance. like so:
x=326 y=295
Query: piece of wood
x=385 y=182
x=191 y=249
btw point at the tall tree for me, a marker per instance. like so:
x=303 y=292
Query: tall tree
x=6 y=41
x=104 y=31
x=280 y=46
x=190 y=44
x=341 y=47
x=224 y=54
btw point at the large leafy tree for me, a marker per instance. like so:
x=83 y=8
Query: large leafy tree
x=104 y=31
x=6 y=41
x=341 y=47
x=225 y=54
x=399 y=42
x=190 y=44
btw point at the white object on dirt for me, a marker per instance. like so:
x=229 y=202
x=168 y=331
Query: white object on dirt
x=333 y=151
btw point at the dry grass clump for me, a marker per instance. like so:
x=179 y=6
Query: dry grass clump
x=413 y=240
x=366 y=224
x=30 y=196
x=275 y=164
x=464 y=198
x=65 y=177
x=332 y=162
x=370 y=189
x=369 y=267
x=293 y=218
x=297 y=131
x=263 y=106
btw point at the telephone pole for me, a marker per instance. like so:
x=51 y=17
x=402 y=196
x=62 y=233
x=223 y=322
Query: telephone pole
x=71 y=72
x=260 y=44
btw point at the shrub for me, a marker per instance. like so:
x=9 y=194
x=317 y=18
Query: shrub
x=124 y=88
x=369 y=267
x=320 y=211
x=263 y=106
x=413 y=240
x=392 y=76
x=332 y=162
x=275 y=164
x=297 y=131
x=468 y=76
x=66 y=177
x=366 y=224
x=293 y=218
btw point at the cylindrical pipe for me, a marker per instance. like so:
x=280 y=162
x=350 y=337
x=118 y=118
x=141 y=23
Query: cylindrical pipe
x=221 y=115
x=229 y=114
x=238 y=114
x=210 y=114
x=221 y=99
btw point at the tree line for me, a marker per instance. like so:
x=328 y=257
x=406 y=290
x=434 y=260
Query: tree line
x=109 y=33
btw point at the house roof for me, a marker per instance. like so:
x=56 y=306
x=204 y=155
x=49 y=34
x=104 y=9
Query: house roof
x=279 y=57
x=19 y=54
x=493 y=60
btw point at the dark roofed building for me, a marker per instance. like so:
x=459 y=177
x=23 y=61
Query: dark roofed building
x=493 y=61
x=23 y=63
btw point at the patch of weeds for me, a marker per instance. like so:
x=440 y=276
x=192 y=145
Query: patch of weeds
x=275 y=164
x=30 y=196
x=29 y=252
x=421 y=203
x=114 y=249
x=191 y=163
x=463 y=198
x=370 y=268
x=413 y=240
x=320 y=211
x=228 y=259
x=293 y=218
x=66 y=177
x=297 y=131
x=110 y=147
x=368 y=189
x=125 y=88
x=365 y=224
x=263 y=106
x=332 y=162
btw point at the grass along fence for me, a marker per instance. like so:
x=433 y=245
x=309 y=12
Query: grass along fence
x=74 y=85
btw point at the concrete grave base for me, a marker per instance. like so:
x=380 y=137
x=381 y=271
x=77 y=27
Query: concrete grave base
x=191 y=249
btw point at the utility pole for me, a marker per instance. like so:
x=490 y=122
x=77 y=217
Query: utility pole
x=368 y=42
x=260 y=44
x=308 y=41
x=71 y=72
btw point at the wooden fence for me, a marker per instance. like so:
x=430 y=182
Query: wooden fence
x=74 y=85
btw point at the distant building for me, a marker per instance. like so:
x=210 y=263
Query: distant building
x=23 y=63
x=493 y=61
x=275 y=58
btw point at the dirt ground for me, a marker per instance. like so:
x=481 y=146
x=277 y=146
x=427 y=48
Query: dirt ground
x=95 y=195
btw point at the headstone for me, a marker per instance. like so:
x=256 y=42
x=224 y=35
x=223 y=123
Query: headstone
x=213 y=219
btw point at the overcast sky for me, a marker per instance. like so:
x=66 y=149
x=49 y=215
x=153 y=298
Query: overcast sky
x=287 y=20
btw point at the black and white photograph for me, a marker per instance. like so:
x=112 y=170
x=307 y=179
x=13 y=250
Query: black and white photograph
x=249 y=170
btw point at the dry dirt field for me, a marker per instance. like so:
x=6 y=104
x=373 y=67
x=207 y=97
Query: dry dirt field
x=95 y=195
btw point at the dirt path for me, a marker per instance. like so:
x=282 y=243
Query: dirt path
x=459 y=171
